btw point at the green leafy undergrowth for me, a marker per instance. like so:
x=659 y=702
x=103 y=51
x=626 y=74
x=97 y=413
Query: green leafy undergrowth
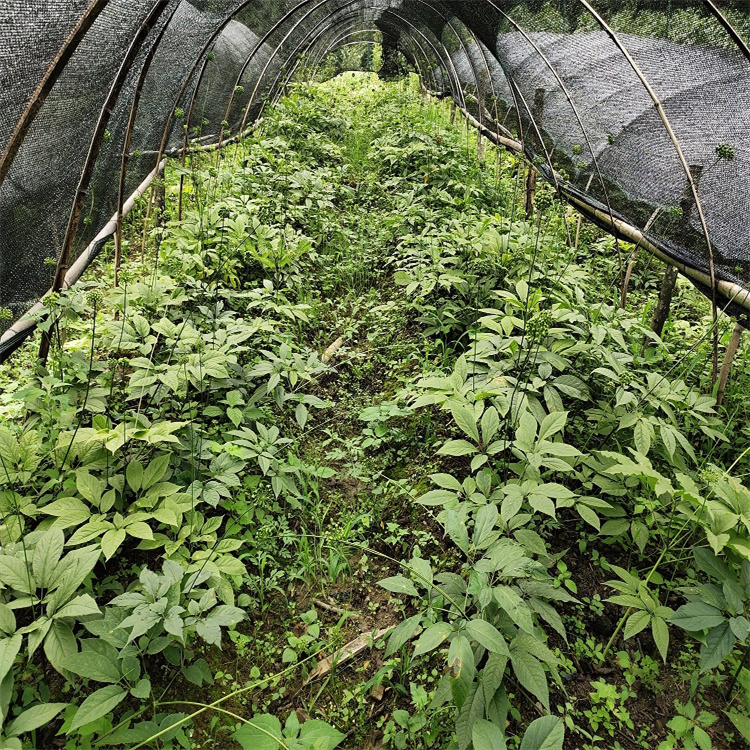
x=354 y=360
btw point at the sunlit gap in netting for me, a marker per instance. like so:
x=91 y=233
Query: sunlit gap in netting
x=381 y=396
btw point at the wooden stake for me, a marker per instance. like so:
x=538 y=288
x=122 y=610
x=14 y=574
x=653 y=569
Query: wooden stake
x=537 y=114
x=726 y=367
x=661 y=313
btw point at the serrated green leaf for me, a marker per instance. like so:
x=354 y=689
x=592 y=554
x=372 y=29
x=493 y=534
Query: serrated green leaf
x=47 y=554
x=696 y=616
x=719 y=644
x=636 y=623
x=544 y=733
x=515 y=607
x=464 y=418
x=487 y=635
x=530 y=673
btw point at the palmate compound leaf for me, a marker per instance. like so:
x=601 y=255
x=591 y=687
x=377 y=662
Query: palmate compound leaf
x=264 y=733
x=260 y=733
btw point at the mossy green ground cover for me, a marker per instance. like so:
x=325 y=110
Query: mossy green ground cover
x=353 y=396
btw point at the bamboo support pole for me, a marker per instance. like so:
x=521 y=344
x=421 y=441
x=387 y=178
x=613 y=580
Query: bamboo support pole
x=93 y=153
x=27 y=323
x=128 y=140
x=735 y=293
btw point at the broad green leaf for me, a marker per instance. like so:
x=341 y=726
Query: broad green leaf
x=69 y=511
x=33 y=718
x=572 y=386
x=301 y=414
x=642 y=435
x=697 y=616
x=237 y=416
x=7 y=620
x=741 y=723
x=719 y=644
x=142 y=689
x=321 y=735
x=457 y=448
x=447 y=482
x=92 y=666
x=437 y=497
x=260 y=733
x=134 y=475
x=635 y=623
x=660 y=631
x=545 y=733
x=484 y=525
x=89 y=487
x=552 y=424
x=155 y=471
x=487 y=635
x=432 y=638
x=589 y=515
x=464 y=418
x=530 y=674
x=402 y=633
x=516 y=608
x=47 y=554
x=490 y=425
x=457 y=531
x=487 y=736
x=111 y=542
x=9 y=648
x=98 y=704
x=15 y=573
x=59 y=644
x=399 y=585
x=139 y=530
